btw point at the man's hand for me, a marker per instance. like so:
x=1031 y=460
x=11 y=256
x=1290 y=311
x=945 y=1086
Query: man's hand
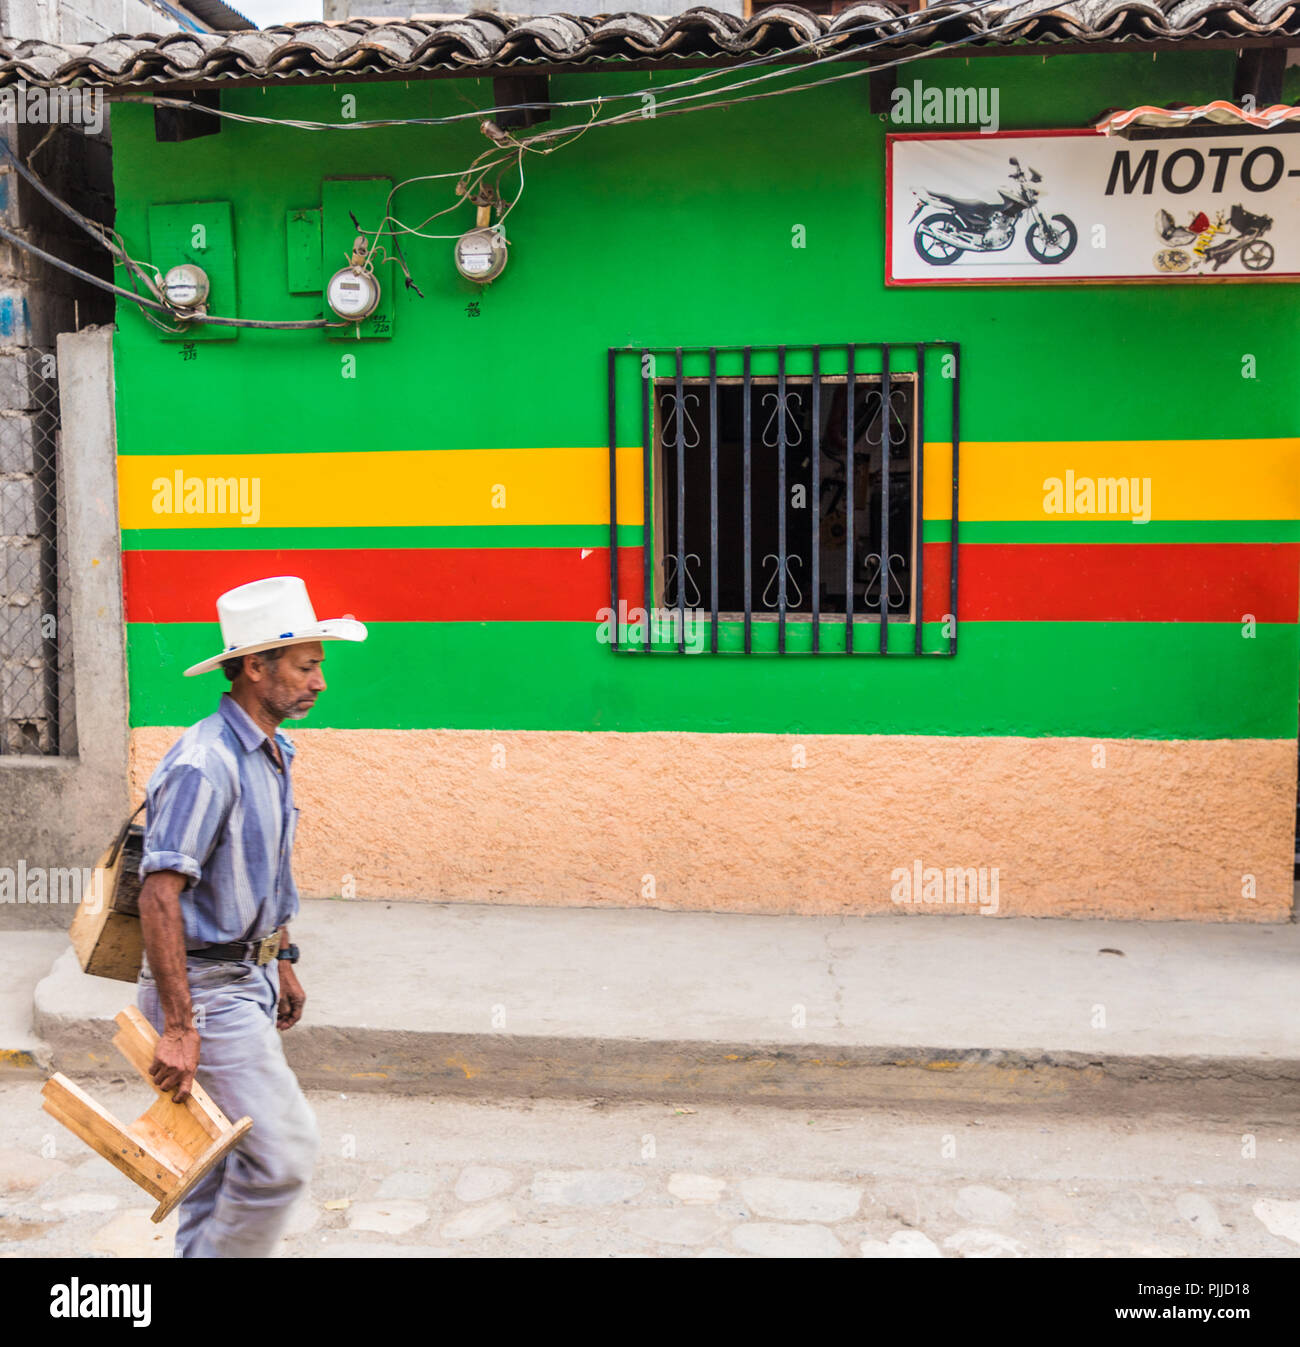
x=163 y=929
x=292 y=997
x=175 y=1060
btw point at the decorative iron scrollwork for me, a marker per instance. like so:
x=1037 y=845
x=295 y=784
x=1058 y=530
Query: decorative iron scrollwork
x=872 y=593
x=771 y=433
x=690 y=431
x=899 y=429
x=671 y=577
x=776 y=575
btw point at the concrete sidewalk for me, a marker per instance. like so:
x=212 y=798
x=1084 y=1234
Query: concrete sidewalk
x=581 y=1002
x=25 y=958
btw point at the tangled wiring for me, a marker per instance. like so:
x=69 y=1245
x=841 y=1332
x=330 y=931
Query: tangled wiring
x=506 y=154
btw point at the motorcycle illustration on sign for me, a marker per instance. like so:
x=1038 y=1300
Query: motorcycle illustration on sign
x=961 y=225
x=1198 y=242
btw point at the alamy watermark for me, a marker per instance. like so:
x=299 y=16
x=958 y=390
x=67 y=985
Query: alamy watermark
x=44 y=107
x=1129 y=497
x=934 y=884
x=75 y=1299
x=665 y=626
x=180 y=494
x=926 y=105
x=38 y=884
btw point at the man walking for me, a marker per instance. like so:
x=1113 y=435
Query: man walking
x=218 y=979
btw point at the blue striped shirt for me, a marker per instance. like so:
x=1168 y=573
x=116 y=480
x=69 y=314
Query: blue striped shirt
x=221 y=814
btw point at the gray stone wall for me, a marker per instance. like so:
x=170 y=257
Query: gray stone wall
x=39 y=301
x=82 y=20
x=63 y=744
x=63 y=810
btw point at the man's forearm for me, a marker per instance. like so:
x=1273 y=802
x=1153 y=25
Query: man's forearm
x=163 y=929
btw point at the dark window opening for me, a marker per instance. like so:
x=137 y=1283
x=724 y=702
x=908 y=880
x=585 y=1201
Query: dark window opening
x=779 y=499
x=826 y=518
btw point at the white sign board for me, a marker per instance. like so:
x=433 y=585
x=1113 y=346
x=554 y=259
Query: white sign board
x=965 y=208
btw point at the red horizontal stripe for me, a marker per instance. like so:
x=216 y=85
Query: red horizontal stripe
x=506 y=584
x=1116 y=582
x=999 y=582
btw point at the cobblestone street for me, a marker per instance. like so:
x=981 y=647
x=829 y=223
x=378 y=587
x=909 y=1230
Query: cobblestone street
x=418 y=1176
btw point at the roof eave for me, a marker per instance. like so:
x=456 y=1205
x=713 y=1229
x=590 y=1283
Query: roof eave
x=361 y=51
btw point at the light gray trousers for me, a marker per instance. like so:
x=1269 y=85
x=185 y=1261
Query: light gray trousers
x=240 y=1209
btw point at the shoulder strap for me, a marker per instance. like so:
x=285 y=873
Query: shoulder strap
x=121 y=837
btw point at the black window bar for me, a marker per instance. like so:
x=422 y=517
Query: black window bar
x=886 y=386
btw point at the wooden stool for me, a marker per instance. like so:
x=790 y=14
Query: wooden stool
x=170 y=1146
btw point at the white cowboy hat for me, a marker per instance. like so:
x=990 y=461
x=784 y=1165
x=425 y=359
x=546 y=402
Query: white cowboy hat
x=269 y=613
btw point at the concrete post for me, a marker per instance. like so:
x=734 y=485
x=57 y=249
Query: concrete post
x=59 y=812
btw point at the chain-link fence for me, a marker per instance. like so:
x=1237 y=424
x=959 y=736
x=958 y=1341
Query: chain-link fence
x=35 y=682
x=37 y=302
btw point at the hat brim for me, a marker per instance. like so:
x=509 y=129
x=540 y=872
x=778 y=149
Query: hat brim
x=334 y=629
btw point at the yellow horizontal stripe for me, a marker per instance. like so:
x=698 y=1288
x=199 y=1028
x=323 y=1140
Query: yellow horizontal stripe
x=1189 y=479
x=397 y=487
x=1000 y=480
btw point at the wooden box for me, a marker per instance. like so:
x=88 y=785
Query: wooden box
x=106 y=929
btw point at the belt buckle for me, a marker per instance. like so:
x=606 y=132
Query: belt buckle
x=267 y=948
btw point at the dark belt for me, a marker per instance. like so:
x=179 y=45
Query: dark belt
x=241 y=951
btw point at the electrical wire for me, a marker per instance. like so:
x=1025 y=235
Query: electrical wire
x=926 y=19
x=112 y=241
x=930 y=53
x=470 y=194
x=930 y=17
x=27 y=246
x=671 y=107
x=153 y=304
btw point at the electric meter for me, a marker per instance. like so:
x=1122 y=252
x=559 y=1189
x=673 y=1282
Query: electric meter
x=353 y=294
x=186 y=286
x=481 y=254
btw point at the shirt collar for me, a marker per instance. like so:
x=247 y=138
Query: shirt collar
x=247 y=731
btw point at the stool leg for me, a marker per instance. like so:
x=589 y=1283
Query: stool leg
x=200 y=1167
x=79 y=1113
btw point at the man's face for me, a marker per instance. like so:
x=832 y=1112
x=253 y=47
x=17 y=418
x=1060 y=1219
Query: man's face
x=289 y=687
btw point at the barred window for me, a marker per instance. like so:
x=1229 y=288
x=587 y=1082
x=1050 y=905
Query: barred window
x=782 y=498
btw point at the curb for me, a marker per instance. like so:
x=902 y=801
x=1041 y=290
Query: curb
x=14 y=1060
x=23 y=954
x=630 y=1050
x=498 y=1065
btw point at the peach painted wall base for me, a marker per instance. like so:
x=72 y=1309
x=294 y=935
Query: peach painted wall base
x=1142 y=829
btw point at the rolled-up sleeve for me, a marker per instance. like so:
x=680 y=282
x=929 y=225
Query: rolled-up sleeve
x=185 y=816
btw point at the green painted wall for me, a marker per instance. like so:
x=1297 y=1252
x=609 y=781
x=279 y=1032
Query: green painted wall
x=677 y=230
